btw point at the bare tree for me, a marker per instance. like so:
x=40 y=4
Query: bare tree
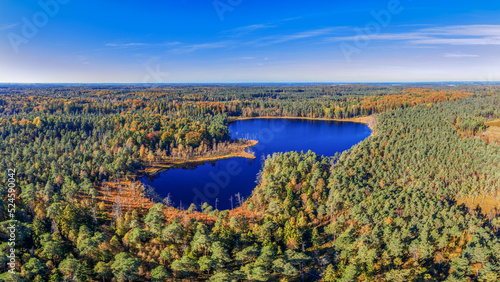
x=240 y=199
x=107 y=191
x=53 y=227
x=117 y=209
x=167 y=201
x=94 y=214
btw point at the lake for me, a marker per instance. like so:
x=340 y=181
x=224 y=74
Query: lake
x=217 y=183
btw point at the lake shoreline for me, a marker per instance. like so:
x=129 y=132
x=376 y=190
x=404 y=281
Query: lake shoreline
x=163 y=165
x=368 y=120
x=218 y=182
x=239 y=152
x=132 y=191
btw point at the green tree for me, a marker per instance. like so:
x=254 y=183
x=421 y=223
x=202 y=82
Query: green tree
x=219 y=255
x=125 y=268
x=330 y=274
x=220 y=277
x=316 y=239
x=137 y=235
x=206 y=264
x=165 y=255
x=103 y=270
x=83 y=271
x=154 y=218
x=265 y=258
x=201 y=241
x=68 y=268
x=33 y=268
x=51 y=249
x=160 y=273
x=184 y=266
x=11 y=277
x=172 y=233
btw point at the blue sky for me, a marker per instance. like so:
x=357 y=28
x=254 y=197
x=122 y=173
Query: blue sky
x=183 y=41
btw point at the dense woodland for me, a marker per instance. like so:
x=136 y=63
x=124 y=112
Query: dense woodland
x=416 y=201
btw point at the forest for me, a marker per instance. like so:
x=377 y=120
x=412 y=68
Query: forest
x=416 y=201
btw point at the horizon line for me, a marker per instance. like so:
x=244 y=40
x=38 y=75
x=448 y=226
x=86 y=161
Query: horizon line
x=240 y=83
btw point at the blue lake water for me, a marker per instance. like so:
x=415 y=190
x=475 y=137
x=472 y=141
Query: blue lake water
x=218 y=182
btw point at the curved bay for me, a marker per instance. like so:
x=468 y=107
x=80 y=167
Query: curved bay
x=218 y=182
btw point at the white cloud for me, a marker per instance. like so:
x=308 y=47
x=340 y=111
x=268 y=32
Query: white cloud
x=446 y=35
x=458 y=41
x=203 y=46
x=9 y=26
x=459 y=55
x=140 y=44
x=465 y=30
x=254 y=27
x=250 y=28
x=381 y=36
x=276 y=39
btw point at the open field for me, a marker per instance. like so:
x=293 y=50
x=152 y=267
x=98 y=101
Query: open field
x=492 y=133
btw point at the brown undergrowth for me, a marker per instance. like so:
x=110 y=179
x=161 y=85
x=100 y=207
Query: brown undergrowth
x=125 y=194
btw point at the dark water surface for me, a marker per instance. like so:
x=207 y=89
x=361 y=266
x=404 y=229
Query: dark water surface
x=217 y=182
